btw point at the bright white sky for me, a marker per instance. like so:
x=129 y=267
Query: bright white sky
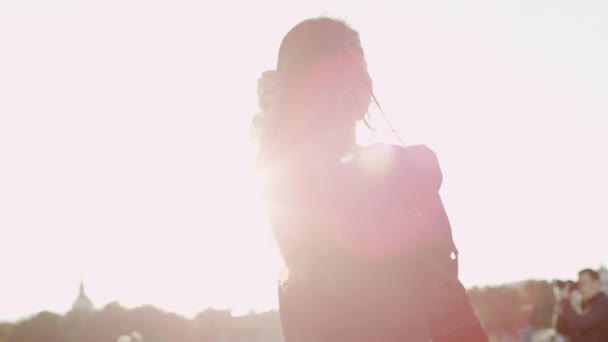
x=125 y=156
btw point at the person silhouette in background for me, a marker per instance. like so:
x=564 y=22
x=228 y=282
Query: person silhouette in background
x=591 y=325
x=362 y=230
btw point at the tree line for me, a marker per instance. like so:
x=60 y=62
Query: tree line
x=501 y=309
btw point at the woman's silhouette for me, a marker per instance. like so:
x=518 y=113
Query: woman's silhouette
x=362 y=230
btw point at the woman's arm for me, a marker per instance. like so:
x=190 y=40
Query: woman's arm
x=450 y=315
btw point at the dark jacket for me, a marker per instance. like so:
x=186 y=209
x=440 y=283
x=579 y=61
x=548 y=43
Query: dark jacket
x=590 y=326
x=383 y=269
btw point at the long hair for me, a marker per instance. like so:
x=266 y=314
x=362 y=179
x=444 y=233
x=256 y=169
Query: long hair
x=324 y=90
x=324 y=85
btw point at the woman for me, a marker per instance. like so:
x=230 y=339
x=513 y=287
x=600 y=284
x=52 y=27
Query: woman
x=362 y=230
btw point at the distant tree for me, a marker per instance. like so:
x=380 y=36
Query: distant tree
x=213 y=325
x=5 y=331
x=543 y=312
x=44 y=327
x=505 y=310
x=158 y=326
x=105 y=325
x=264 y=327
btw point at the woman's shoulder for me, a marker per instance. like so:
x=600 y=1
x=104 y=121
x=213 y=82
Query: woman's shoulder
x=418 y=162
x=414 y=156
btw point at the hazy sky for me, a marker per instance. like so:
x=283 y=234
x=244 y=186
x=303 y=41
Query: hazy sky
x=125 y=155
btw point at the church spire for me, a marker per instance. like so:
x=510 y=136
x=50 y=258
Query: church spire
x=81 y=293
x=82 y=302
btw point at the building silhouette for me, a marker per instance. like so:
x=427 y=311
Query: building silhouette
x=604 y=277
x=82 y=304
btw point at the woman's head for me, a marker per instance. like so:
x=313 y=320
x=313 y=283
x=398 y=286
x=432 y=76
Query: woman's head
x=325 y=87
x=322 y=64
